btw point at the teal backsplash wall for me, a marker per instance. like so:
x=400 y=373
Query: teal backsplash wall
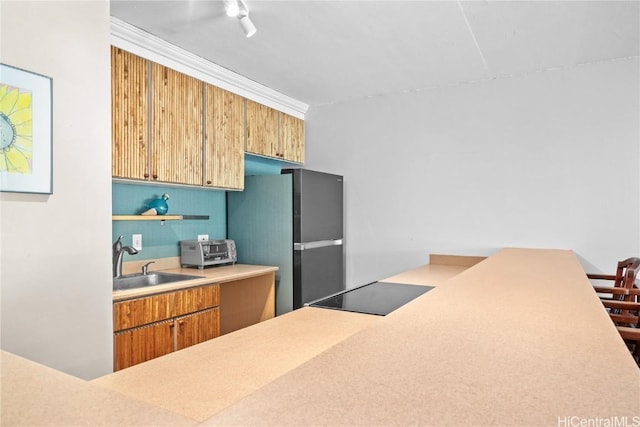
x=256 y=165
x=161 y=239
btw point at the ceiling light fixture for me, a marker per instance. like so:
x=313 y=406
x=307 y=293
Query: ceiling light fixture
x=232 y=8
x=240 y=10
x=247 y=26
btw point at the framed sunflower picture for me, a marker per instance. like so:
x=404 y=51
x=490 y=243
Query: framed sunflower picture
x=26 y=136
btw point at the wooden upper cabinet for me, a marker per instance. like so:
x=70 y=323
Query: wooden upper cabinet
x=129 y=115
x=224 y=138
x=170 y=127
x=291 y=138
x=261 y=130
x=176 y=126
x=275 y=134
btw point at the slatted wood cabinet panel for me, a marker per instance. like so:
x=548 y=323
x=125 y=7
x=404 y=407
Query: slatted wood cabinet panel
x=291 y=138
x=196 y=328
x=150 y=327
x=141 y=311
x=176 y=126
x=274 y=134
x=224 y=138
x=170 y=127
x=143 y=343
x=195 y=299
x=129 y=121
x=261 y=130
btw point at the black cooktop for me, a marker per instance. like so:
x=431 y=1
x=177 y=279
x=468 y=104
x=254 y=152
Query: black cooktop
x=379 y=298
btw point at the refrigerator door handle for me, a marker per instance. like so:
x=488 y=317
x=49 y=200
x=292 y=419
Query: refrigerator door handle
x=317 y=244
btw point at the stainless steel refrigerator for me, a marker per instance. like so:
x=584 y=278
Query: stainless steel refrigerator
x=294 y=221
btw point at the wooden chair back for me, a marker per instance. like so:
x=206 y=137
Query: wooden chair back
x=625 y=315
x=625 y=278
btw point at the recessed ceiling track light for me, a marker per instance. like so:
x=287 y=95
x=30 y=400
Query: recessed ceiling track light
x=247 y=26
x=240 y=10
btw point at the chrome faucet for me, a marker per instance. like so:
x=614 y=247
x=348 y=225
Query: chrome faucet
x=145 y=268
x=118 y=253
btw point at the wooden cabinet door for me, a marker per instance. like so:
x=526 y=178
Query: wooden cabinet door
x=261 y=130
x=143 y=343
x=224 y=138
x=150 y=327
x=129 y=115
x=291 y=138
x=196 y=328
x=176 y=127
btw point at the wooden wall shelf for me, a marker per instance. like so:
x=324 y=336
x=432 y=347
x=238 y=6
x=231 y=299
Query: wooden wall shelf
x=157 y=217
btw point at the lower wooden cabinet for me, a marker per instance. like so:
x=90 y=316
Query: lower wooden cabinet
x=144 y=343
x=150 y=327
x=197 y=328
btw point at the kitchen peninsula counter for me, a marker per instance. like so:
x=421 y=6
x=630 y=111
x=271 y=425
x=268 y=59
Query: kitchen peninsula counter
x=206 y=378
x=518 y=339
x=36 y=395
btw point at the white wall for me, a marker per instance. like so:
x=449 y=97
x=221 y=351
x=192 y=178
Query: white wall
x=55 y=250
x=547 y=160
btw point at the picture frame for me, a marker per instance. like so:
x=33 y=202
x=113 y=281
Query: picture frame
x=26 y=131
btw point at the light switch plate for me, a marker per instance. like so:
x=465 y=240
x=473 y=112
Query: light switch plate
x=203 y=237
x=136 y=241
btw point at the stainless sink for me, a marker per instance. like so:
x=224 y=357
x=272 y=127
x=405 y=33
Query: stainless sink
x=139 y=280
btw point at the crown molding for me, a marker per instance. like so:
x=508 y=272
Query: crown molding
x=141 y=43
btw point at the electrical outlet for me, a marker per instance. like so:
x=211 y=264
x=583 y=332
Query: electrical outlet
x=136 y=241
x=203 y=237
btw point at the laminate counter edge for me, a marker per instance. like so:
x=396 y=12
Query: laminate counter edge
x=222 y=274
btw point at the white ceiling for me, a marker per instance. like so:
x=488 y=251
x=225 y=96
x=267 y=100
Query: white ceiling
x=322 y=52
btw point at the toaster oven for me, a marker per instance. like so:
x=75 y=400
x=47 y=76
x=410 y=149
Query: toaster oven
x=207 y=253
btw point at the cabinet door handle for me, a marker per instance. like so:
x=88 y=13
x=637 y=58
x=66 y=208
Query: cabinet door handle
x=146 y=175
x=155 y=176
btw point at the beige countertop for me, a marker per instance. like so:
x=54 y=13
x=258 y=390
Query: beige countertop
x=428 y=275
x=185 y=387
x=221 y=274
x=519 y=339
x=35 y=395
x=199 y=381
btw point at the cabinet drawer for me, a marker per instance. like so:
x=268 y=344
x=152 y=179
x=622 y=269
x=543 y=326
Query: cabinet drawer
x=141 y=311
x=195 y=299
